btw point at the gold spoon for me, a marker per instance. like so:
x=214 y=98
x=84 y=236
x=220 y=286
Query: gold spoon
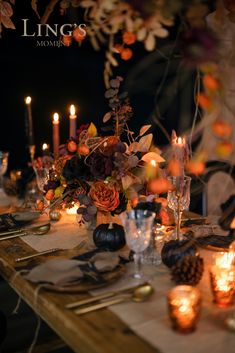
x=40 y=230
x=139 y=294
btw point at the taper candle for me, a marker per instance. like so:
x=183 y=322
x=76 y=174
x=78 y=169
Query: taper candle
x=28 y=101
x=56 y=136
x=72 y=122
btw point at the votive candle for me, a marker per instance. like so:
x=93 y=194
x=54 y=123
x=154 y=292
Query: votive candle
x=222 y=278
x=184 y=307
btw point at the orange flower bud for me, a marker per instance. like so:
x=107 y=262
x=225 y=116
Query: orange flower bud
x=126 y=54
x=72 y=146
x=50 y=195
x=195 y=167
x=67 y=40
x=224 y=149
x=129 y=38
x=79 y=35
x=221 y=129
x=83 y=150
x=210 y=82
x=118 y=48
x=204 y=101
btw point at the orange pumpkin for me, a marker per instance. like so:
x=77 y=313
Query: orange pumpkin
x=222 y=129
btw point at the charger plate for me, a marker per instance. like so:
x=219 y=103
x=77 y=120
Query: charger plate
x=106 y=278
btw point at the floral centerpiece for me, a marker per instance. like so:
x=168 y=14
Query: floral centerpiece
x=105 y=174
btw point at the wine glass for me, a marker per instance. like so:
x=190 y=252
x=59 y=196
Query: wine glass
x=179 y=199
x=42 y=177
x=3 y=167
x=138 y=228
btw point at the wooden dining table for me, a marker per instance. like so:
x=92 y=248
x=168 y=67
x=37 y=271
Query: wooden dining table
x=100 y=331
x=95 y=332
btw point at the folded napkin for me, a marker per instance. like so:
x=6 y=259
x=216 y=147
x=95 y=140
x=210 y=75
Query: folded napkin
x=8 y=222
x=65 y=272
x=210 y=235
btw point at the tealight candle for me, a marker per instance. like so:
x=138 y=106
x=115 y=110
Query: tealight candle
x=222 y=276
x=73 y=210
x=72 y=122
x=184 y=308
x=56 y=135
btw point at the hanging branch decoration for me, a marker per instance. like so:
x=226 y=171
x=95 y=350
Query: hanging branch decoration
x=6 y=12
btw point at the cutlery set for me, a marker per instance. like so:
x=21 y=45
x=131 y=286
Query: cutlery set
x=138 y=294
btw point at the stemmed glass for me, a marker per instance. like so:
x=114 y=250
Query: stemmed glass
x=138 y=228
x=42 y=177
x=179 y=199
x=3 y=167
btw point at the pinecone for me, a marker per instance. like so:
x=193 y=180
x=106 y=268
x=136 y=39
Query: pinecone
x=188 y=270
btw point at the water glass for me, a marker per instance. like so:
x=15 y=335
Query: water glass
x=42 y=177
x=138 y=229
x=152 y=255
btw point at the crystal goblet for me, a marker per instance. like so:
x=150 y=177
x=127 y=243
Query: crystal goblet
x=138 y=228
x=179 y=199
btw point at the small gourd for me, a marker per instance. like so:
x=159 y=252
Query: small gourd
x=175 y=250
x=109 y=236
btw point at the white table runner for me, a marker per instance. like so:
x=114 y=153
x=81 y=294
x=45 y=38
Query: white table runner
x=65 y=234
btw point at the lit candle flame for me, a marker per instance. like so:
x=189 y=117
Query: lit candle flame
x=56 y=117
x=72 y=110
x=153 y=163
x=225 y=260
x=45 y=146
x=28 y=100
x=73 y=210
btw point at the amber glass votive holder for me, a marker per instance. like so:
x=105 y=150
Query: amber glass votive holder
x=184 y=304
x=223 y=285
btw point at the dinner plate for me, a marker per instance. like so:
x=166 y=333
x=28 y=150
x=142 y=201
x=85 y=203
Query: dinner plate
x=28 y=216
x=86 y=285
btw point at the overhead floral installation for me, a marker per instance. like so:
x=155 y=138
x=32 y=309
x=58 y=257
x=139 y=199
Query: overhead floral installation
x=118 y=24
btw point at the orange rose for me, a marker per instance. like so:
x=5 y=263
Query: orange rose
x=105 y=196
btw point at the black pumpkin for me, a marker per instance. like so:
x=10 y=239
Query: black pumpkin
x=110 y=236
x=175 y=250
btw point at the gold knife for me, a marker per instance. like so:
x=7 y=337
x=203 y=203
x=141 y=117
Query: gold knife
x=20 y=259
x=101 y=305
x=22 y=230
x=100 y=297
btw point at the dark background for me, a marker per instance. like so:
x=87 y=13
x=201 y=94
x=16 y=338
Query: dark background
x=158 y=85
